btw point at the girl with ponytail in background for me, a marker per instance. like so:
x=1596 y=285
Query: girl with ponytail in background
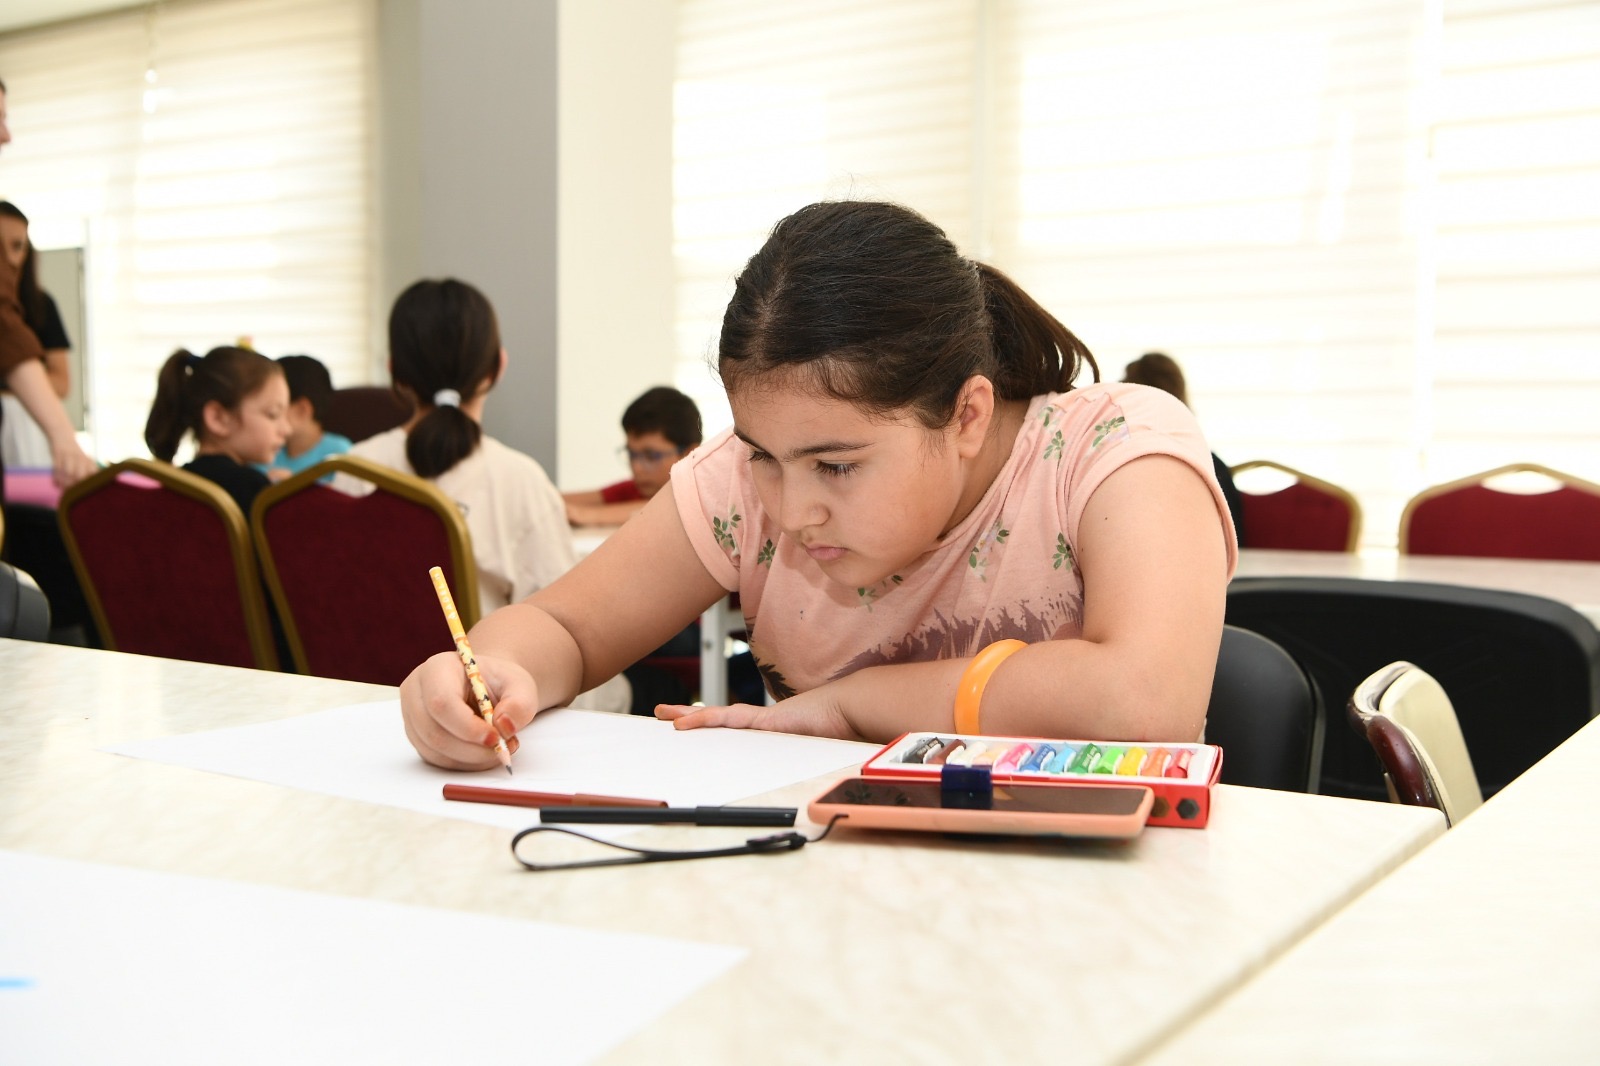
x=236 y=404
x=445 y=356
x=913 y=484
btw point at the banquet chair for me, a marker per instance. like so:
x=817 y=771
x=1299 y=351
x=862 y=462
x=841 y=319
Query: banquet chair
x=164 y=558
x=362 y=411
x=1265 y=715
x=1308 y=514
x=1407 y=718
x=1523 y=672
x=349 y=574
x=1471 y=517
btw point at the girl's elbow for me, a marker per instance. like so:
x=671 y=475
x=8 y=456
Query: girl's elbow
x=1166 y=708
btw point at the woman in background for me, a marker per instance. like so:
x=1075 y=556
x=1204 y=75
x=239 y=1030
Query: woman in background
x=24 y=361
x=39 y=309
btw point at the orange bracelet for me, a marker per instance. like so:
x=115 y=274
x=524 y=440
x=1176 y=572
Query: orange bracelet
x=969 y=690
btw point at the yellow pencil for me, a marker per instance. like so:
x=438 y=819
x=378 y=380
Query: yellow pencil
x=464 y=649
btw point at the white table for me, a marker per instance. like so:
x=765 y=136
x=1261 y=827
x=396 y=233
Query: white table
x=863 y=948
x=1481 y=949
x=1573 y=583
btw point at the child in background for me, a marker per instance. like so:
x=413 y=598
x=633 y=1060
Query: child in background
x=910 y=479
x=308 y=443
x=661 y=427
x=235 y=402
x=445 y=356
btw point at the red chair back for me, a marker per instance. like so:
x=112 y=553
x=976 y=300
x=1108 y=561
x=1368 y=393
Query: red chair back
x=349 y=574
x=165 y=560
x=1308 y=515
x=362 y=411
x=1467 y=517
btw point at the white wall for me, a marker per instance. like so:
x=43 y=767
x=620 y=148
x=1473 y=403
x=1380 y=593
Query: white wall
x=614 y=240
x=525 y=147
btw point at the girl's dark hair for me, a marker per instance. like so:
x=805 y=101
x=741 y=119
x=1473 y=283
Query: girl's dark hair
x=1159 y=371
x=442 y=335
x=29 y=295
x=665 y=411
x=308 y=380
x=873 y=303
x=188 y=382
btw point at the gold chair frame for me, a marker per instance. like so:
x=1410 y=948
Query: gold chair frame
x=1356 y=516
x=1568 y=480
x=463 y=564
x=251 y=598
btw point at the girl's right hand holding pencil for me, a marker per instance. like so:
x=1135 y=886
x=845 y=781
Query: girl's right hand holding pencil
x=441 y=717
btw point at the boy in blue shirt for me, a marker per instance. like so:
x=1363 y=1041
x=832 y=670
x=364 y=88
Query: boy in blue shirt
x=309 y=389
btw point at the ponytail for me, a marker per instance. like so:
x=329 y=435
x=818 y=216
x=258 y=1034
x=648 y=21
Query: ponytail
x=164 y=429
x=443 y=437
x=1034 y=352
x=444 y=344
x=187 y=382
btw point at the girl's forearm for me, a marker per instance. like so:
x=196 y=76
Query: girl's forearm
x=1098 y=691
x=59 y=371
x=881 y=702
x=1057 y=688
x=538 y=643
x=32 y=387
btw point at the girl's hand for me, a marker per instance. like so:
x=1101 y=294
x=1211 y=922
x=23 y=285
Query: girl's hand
x=812 y=713
x=441 y=718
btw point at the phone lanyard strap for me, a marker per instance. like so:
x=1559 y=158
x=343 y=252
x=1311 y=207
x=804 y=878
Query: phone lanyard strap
x=771 y=844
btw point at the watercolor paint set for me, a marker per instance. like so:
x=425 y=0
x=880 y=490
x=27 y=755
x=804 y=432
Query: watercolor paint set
x=1180 y=775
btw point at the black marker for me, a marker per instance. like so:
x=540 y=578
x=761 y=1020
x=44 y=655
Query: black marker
x=653 y=815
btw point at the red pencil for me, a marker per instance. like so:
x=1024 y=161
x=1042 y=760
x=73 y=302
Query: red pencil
x=512 y=797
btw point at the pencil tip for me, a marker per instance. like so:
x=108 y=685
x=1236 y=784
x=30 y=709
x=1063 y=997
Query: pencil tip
x=508 y=772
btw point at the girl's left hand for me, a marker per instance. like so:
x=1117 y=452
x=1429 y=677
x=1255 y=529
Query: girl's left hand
x=810 y=713
x=70 y=463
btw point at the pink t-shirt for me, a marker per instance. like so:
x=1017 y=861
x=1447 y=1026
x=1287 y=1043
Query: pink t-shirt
x=1008 y=570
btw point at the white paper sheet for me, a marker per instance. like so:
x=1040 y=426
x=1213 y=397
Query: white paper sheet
x=361 y=752
x=105 y=964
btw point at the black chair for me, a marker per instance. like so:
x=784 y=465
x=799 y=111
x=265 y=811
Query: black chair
x=24 y=611
x=1523 y=672
x=1265 y=715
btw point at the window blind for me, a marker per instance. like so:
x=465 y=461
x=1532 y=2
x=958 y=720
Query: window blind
x=212 y=157
x=777 y=106
x=1235 y=183
x=1516 y=150
x=1368 y=229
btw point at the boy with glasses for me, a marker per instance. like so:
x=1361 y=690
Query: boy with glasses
x=661 y=427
